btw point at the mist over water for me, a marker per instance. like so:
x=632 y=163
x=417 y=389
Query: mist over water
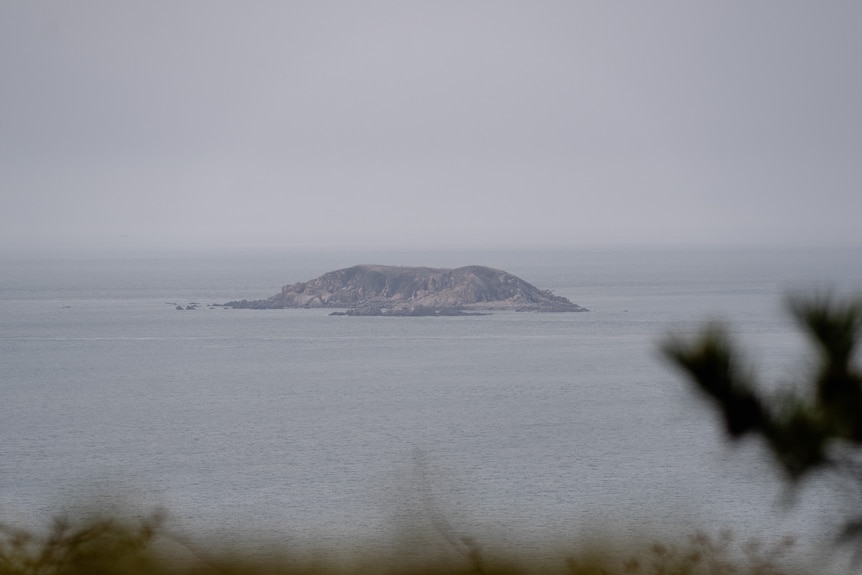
x=526 y=426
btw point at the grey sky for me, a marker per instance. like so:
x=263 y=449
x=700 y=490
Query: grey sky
x=430 y=123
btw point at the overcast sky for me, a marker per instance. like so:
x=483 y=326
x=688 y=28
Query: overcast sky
x=439 y=123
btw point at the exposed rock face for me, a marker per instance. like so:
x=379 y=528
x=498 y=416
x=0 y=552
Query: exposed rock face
x=392 y=290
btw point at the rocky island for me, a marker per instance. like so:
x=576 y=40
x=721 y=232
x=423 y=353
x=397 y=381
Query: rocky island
x=414 y=291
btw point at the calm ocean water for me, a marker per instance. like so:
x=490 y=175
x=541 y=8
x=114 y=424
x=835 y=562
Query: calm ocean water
x=530 y=426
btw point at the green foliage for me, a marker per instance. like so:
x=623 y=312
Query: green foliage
x=819 y=429
x=97 y=546
x=106 y=546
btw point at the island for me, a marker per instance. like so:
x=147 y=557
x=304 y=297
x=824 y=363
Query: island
x=366 y=290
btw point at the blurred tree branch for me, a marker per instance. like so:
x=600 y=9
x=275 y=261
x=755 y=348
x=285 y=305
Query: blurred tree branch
x=817 y=429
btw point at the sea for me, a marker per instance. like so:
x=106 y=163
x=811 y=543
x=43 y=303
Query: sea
x=315 y=430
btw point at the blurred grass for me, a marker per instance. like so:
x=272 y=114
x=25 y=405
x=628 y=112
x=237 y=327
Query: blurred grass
x=110 y=545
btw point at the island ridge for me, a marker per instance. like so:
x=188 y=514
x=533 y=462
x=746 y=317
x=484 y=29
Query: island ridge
x=396 y=290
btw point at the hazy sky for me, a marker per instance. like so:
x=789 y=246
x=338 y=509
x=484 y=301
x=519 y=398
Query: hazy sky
x=438 y=123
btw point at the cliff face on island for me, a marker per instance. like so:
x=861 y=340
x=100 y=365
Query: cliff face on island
x=392 y=290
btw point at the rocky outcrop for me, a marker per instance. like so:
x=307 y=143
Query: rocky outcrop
x=392 y=290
